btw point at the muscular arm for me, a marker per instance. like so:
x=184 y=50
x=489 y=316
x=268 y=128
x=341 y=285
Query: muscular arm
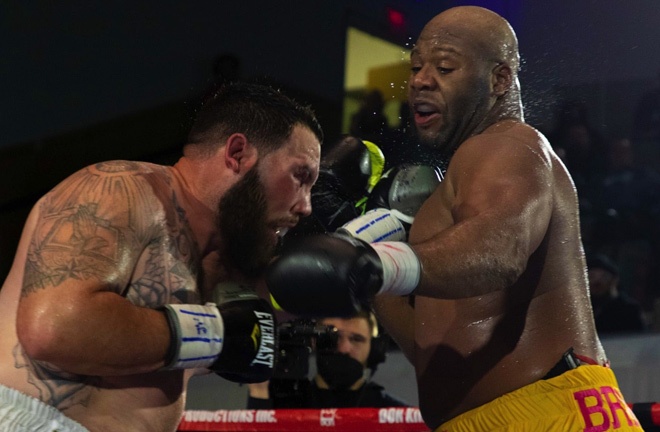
x=487 y=218
x=396 y=314
x=84 y=252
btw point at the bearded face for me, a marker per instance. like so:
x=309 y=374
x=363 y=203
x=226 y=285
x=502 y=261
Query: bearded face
x=243 y=225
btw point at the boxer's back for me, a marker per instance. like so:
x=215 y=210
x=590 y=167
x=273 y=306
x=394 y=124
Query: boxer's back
x=152 y=401
x=472 y=350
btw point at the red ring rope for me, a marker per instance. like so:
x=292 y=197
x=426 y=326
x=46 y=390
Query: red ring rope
x=340 y=419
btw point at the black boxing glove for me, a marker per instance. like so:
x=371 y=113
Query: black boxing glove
x=348 y=172
x=403 y=190
x=332 y=206
x=393 y=203
x=349 y=161
x=236 y=339
x=337 y=275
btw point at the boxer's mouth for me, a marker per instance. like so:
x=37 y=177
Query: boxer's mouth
x=425 y=109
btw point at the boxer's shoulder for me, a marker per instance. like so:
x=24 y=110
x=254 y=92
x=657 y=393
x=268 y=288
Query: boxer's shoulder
x=117 y=173
x=121 y=167
x=113 y=196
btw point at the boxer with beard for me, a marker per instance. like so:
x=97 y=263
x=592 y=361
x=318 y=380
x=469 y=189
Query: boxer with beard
x=108 y=308
x=248 y=238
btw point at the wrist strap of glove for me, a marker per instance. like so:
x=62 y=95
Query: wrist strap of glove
x=197 y=335
x=376 y=225
x=401 y=267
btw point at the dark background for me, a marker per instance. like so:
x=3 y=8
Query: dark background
x=87 y=81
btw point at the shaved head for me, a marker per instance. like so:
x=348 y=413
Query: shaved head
x=485 y=32
x=464 y=77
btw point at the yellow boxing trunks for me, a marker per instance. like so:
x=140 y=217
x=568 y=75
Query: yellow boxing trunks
x=585 y=399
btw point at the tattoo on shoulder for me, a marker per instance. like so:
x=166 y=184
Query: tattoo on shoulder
x=113 y=216
x=118 y=166
x=88 y=225
x=169 y=268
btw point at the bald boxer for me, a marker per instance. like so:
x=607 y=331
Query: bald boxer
x=489 y=299
x=104 y=314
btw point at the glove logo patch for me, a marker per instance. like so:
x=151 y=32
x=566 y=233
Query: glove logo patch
x=263 y=336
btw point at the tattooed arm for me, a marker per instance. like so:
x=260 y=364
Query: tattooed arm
x=92 y=237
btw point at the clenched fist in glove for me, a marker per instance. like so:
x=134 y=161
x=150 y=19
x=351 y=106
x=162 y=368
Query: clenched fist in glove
x=337 y=275
x=236 y=339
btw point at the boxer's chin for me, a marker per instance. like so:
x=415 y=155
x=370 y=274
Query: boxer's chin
x=262 y=256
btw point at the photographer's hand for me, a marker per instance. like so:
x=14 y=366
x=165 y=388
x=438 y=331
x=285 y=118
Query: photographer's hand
x=259 y=390
x=259 y=396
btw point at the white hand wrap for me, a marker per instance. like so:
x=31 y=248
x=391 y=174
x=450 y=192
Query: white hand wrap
x=197 y=332
x=401 y=267
x=375 y=226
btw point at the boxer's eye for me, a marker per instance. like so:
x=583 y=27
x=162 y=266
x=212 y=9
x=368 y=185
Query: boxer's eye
x=303 y=175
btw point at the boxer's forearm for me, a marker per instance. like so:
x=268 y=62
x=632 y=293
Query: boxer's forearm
x=98 y=333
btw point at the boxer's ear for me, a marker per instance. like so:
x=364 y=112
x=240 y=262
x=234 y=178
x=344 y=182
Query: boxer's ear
x=501 y=79
x=239 y=154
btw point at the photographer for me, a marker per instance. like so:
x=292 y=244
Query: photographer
x=345 y=349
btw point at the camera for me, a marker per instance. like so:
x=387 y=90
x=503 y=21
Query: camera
x=297 y=340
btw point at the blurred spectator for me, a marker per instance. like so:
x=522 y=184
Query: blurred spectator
x=629 y=192
x=614 y=311
x=628 y=228
x=580 y=145
x=581 y=148
x=370 y=122
x=646 y=126
x=646 y=122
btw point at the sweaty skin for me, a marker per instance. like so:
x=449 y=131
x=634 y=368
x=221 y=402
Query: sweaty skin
x=106 y=247
x=503 y=292
x=73 y=235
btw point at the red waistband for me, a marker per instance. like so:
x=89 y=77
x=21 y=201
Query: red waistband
x=589 y=360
